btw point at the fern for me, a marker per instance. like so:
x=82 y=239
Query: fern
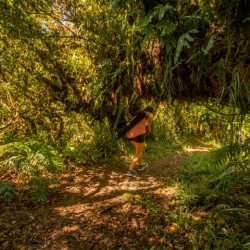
x=221 y=207
x=233 y=153
x=34 y=162
x=30 y=158
x=158 y=12
x=165 y=27
x=233 y=159
x=6 y=191
x=40 y=189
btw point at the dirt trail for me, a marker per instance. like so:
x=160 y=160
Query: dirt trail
x=98 y=207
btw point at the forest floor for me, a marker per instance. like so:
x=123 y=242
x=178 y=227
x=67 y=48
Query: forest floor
x=99 y=207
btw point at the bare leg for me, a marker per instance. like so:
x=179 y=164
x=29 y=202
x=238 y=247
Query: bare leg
x=138 y=154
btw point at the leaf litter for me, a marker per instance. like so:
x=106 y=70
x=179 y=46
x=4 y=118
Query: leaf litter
x=99 y=207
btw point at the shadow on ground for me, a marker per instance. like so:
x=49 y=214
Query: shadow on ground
x=99 y=207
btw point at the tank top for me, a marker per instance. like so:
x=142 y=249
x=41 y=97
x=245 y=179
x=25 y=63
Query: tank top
x=138 y=129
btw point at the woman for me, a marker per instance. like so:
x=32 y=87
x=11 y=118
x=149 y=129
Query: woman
x=136 y=136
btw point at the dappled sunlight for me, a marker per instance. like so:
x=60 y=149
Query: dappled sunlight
x=102 y=207
x=199 y=149
x=72 y=209
x=77 y=78
x=110 y=205
x=199 y=215
x=87 y=184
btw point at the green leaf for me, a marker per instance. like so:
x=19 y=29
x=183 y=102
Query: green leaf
x=145 y=21
x=149 y=31
x=193 y=31
x=6 y=191
x=165 y=27
x=247 y=19
x=209 y=45
x=183 y=42
x=188 y=37
x=161 y=10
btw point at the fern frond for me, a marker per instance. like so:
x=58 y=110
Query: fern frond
x=233 y=153
x=6 y=191
x=40 y=189
x=30 y=157
x=221 y=207
x=233 y=159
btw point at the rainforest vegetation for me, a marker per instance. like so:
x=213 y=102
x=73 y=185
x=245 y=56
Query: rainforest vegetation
x=73 y=71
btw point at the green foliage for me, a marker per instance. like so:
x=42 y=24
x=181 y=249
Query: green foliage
x=220 y=170
x=40 y=189
x=36 y=163
x=91 y=143
x=207 y=182
x=77 y=61
x=183 y=42
x=235 y=157
x=157 y=23
x=31 y=158
x=208 y=123
x=209 y=46
x=63 y=63
x=6 y=191
x=102 y=144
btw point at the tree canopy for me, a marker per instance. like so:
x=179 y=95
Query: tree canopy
x=101 y=56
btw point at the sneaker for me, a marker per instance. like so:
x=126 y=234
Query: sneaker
x=132 y=173
x=143 y=166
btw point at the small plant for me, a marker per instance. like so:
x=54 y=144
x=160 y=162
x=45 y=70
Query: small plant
x=34 y=163
x=218 y=181
x=6 y=191
x=40 y=189
x=95 y=143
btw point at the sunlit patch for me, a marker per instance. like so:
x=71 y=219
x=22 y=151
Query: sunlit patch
x=134 y=223
x=199 y=149
x=74 y=189
x=128 y=195
x=171 y=228
x=70 y=229
x=199 y=215
x=77 y=209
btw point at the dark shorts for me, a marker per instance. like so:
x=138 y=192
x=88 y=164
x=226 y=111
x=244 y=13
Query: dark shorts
x=138 y=139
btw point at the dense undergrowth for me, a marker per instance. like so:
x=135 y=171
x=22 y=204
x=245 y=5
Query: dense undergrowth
x=35 y=162
x=221 y=190
x=212 y=185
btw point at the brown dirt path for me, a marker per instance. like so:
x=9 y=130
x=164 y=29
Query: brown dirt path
x=99 y=207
